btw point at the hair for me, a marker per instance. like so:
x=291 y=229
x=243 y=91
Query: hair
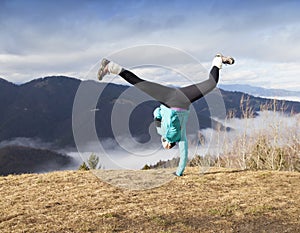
x=172 y=144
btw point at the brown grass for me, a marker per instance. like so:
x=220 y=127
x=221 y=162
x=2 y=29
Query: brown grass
x=218 y=201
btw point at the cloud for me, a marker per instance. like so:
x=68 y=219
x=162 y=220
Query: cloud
x=279 y=75
x=27 y=142
x=277 y=127
x=41 y=38
x=125 y=154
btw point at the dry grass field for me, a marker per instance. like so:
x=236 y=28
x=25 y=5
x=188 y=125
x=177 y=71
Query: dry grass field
x=218 y=201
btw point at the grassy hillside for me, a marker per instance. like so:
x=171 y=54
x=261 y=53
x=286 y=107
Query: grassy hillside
x=218 y=201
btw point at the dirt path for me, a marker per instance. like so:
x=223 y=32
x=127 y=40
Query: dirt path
x=218 y=201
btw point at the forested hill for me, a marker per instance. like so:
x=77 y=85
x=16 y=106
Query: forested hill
x=42 y=108
x=20 y=159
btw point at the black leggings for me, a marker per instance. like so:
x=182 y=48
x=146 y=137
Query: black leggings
x=174 y=97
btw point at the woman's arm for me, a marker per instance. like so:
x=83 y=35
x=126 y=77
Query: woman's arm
x=183 y=149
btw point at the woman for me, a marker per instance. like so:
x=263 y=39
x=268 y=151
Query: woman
x=172 y=115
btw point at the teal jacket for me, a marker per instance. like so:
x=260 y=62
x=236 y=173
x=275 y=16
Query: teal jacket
x=173 y=129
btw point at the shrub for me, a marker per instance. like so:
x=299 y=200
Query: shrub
x=83 y=167
x=146 y=167
x=93 y=161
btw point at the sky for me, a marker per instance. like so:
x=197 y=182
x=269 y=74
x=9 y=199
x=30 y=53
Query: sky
x=44 y=38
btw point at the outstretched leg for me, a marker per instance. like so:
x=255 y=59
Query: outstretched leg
x=197 y=91
x=165 y=95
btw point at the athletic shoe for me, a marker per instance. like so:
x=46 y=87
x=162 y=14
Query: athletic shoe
x=103 y=68
x=226 y=60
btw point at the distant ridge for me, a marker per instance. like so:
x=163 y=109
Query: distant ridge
x=262 y=92
x=42 y=109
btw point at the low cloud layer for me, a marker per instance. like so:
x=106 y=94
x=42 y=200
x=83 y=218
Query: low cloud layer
x=281 y=129
x=124 y=154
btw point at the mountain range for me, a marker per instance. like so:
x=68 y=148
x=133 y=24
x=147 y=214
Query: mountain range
x=42 y=109
x=263 y=92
